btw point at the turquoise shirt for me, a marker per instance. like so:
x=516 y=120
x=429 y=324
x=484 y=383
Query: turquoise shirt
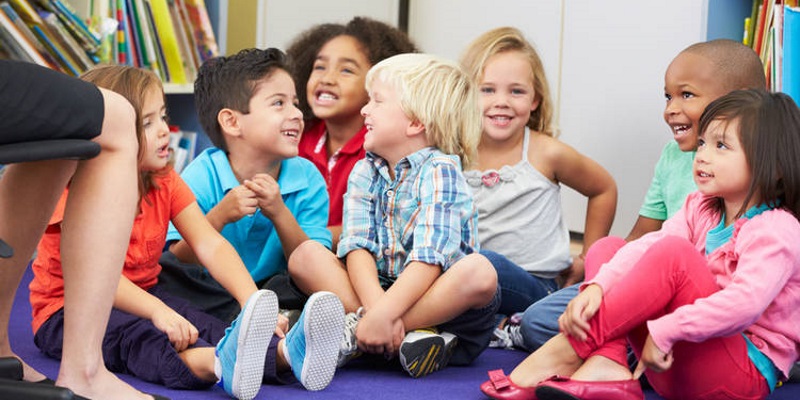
x=254 y=237
x=673 y=180
x=714 y=240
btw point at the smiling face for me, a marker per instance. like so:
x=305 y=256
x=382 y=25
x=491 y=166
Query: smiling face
x=274 y=123
x=335 y=89
x=507 y=96
x=720 y=165
x=690 y=84
x=387 y=123
x=156 y=131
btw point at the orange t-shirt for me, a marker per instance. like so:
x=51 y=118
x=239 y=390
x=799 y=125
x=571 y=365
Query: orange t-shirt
x=148 y=238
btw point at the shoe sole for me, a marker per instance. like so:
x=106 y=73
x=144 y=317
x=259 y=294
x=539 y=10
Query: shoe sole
x=423 y=356
x=323 y=325
x=549 y=393
x=255 y=332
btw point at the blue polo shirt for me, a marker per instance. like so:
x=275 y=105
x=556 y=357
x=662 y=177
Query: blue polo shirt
x=254 y=237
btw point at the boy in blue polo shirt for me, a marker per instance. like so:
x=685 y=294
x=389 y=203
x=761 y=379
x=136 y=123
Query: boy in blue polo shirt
x=252 y=186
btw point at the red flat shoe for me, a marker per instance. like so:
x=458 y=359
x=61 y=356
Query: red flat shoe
x=561 y=388
x=499 y=387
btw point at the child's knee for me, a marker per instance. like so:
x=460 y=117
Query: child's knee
x=480 y=277
x=307 y=253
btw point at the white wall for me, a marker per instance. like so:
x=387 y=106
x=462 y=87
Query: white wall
x=281 y=20
x=608 y=86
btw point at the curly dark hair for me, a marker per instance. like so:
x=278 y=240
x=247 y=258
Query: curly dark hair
x=378 y=40
x=229 y=82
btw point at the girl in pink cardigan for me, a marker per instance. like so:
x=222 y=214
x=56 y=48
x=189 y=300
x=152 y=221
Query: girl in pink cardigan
x=711 y=302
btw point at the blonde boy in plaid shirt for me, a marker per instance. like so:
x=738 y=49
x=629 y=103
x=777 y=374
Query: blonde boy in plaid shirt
x=407 y=259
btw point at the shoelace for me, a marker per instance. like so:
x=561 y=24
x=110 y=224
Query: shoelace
x=349 y=342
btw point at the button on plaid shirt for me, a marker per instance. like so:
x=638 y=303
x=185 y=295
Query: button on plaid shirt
x=425 y=213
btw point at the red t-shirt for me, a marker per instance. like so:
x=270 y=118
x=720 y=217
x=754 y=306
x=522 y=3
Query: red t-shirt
x=141 y=261
x=335 y=168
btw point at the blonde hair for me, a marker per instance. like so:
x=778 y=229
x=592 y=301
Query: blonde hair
x=508 y=39
x=439 y=95
x=133 y=84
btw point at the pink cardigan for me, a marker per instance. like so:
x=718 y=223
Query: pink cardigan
x=758 y=272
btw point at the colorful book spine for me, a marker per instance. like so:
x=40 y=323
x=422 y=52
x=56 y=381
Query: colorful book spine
x=18 y=43
x=203 y=32
x=791 y=52
x=169 y=42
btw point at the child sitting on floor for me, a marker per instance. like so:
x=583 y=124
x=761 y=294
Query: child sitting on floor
x=329 y=63
x=408 y=248
x=156 y=336
x=251 y=186
x=709 y=302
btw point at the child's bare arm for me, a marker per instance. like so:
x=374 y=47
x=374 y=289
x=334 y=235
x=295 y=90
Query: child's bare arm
x=642 y=226
x=271 y=203
x=237 y=203
x=363 y=274
x=136 y=301
x=588 y=178
x=381 y=330
x=215 y=253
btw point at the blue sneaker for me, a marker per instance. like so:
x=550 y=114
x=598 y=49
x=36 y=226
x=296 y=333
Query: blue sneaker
x=312 y=345
x=239 y=357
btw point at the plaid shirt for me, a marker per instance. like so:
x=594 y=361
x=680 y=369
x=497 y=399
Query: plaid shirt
x=424 y=214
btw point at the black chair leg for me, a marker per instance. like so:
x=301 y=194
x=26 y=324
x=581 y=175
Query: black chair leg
x=10 y=368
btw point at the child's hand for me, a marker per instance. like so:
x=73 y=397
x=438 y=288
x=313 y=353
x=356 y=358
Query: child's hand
x=237 y=203
x=653 y=358
x=573 y=274
x=268 y=194
x=282 y=326
x=575 y=319
x=377 y=335
x=181 y=332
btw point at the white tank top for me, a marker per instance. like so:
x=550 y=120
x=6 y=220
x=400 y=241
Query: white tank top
x=520 y=217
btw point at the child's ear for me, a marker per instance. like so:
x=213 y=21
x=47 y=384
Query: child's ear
x=228 y=121
x=415 y=128
x=536 y=101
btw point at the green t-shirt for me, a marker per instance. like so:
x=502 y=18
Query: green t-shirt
x=673 y=180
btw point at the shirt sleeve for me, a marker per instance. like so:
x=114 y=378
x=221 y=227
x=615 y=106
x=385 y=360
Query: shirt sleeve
x=654 y=205
x=764 y=258
x=442 y=202
x=358 y=222
x=181 y=197
x=679 y=225
x=312 y=212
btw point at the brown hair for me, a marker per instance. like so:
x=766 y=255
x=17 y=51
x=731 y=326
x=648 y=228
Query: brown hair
x=769 y=131
x=230 y=82
x=378 y=40
x=133 y=84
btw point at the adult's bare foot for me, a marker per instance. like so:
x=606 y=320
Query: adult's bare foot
x=103 y=385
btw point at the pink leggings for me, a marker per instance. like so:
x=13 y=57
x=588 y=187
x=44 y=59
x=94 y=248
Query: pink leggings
x=670 y=274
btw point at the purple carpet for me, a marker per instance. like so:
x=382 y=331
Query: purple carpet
x=359 y=380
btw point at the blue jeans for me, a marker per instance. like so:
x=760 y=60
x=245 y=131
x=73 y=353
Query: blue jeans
x=540 y=320
x=518 y=288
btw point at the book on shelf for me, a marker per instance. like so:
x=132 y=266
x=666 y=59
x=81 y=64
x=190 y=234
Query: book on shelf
x=169 y=42
x=775 y=40
x=791 y=52
x=19 y=41
x=170 y=37
x=182 y=147
x=201 y=28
